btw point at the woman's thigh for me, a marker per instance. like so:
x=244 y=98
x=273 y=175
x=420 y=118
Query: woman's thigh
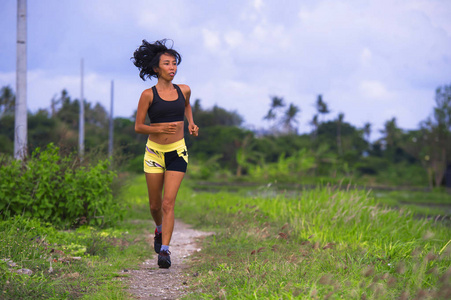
x=172 y=181
x=155 y=183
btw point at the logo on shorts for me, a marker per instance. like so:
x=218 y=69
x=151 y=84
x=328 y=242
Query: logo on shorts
x=153 y=164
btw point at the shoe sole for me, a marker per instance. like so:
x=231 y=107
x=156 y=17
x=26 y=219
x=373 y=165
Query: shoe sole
x=164 y=264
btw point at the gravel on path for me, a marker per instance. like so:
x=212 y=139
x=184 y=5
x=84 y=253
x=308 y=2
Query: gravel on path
x=150 y=282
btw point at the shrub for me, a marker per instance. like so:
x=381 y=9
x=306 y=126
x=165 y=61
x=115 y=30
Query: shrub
x=288 y=169
x=58 y=189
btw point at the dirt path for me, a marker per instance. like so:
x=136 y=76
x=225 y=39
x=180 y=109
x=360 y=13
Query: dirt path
x=150 y=282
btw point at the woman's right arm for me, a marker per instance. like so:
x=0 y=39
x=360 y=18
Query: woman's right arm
x=140 y=127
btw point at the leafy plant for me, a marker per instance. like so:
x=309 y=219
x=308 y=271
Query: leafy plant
x=58 y=189
x=291 y=168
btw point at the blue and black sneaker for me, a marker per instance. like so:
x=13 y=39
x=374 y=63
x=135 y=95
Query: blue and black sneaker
x=164 y=259
x=157 y=241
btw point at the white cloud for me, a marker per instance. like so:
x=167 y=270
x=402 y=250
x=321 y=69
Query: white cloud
x=258 y=4
x=211 y=39
x=374 y=89
x=365 y=57
x=8 y=78
x=438 y=12
x=234 y=38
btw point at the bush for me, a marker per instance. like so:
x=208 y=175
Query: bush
x=403 y=174
x=58 y=189
x=288 y=169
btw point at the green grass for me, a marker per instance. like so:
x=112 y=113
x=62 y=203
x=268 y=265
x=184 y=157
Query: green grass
x=435 y=204
x=321 y=243
x=104 y=253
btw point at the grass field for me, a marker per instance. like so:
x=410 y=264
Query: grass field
x=317 y=243
x=434 y=205
x=323 y=243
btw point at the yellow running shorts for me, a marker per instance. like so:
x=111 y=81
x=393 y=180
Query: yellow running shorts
x=170 y=157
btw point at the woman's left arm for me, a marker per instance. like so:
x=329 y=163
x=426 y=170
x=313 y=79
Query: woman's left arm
x=192 y=127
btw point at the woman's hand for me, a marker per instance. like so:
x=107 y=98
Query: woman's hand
x=193 y=129
x=168 y=128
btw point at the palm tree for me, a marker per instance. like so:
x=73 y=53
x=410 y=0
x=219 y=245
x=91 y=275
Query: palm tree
x=321 y=106
x=270 y=116
x=276 y=104
x=290 y=118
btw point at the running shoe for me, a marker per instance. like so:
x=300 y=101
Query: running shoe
x=164 y=259
x=157 y=241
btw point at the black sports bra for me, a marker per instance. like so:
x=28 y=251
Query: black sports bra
x=162 y=111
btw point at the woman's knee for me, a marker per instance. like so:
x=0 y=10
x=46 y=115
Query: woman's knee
x=155 y=206
x=168 y=205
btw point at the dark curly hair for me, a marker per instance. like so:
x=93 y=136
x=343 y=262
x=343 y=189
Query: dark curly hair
x=147 y=57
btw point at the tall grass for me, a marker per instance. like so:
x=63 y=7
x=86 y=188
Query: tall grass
x=322 y=243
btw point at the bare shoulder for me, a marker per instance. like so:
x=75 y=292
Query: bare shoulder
x=147 y=95
x=186 y=90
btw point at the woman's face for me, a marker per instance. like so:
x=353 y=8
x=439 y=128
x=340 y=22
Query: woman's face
x=167 y=67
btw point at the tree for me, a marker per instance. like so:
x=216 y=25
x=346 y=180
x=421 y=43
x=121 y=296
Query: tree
x=243 y=154
x=215 y=116
x=290 y=118
x=42 y=130
x=270 y=116
x=221 y=141
x=391 y=141
x=68 y=112
x=196 y=107
x=391 y=133
x=352 y=141
x=7 y=134
x=442 y=111
x=321 y=106
x=339 y=123
x=276 y=104
x=315 y=123
x=437 y=131
x=96 y=115
x=367 y=131
x=7 y=101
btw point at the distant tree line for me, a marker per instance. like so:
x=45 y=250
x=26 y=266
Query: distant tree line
x=224 y=149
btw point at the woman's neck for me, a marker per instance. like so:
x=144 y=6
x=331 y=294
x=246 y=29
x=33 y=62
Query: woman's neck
x=164 y=85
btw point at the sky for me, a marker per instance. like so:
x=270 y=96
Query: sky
x=371 y=60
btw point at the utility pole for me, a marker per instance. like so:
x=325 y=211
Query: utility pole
x=20 y=123
x=110 y=142
x=81 y=128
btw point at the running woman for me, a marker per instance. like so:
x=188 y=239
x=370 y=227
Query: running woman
x=166 y=155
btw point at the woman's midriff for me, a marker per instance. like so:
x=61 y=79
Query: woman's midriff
x=165 y=138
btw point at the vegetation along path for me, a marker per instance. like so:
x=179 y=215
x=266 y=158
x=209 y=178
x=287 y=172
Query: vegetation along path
x=150 y=282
